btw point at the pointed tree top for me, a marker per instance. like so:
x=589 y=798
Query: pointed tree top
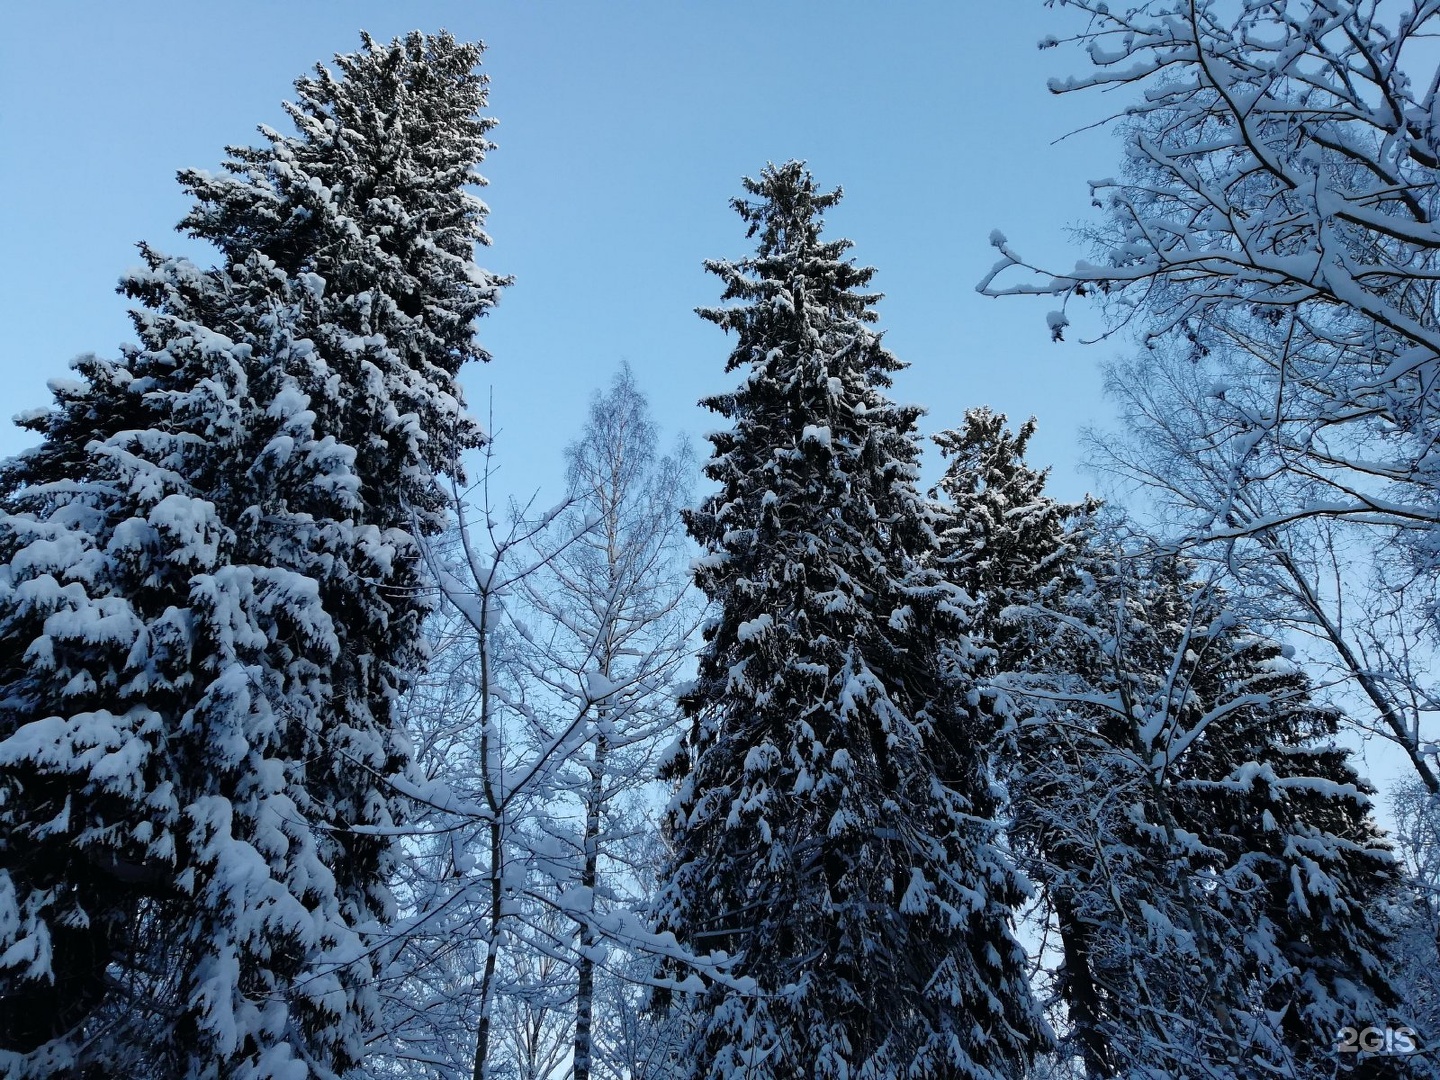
x=792 y=265
x=789 y=212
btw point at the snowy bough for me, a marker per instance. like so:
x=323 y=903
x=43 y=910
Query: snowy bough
x=209 y=596
x=832 y=825
x=1217 y=887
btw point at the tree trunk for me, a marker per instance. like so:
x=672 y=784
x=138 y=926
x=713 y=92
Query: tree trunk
x=487 y=980
x=585 y=988
x=497 y=851
x=1082 y=1000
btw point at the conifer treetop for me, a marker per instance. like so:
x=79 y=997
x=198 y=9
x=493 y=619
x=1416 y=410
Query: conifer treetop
x=365 y=213
x=793 y=268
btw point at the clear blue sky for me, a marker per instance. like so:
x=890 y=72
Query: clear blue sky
x=624 y=129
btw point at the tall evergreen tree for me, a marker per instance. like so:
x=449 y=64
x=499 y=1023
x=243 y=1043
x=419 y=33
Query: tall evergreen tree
x=1176 y=793
x=209 y=597
x=1009 y=545
x=1214 y=873
x=832 y=830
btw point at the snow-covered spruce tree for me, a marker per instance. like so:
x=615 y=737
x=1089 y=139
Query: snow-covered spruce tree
x=1010 y=547
x=831 y=824
x=367 y=216
x=1088 y=636
x=1217 y=883
x=209 y=599
x=1001 y=538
